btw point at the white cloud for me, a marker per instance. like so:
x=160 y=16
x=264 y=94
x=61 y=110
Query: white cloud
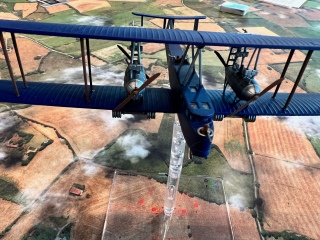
x=100 y=76
x=90 y=169
x=2 y=155
x=237 y=200
x=135 y=145
x=309 y=125
x=91 y=20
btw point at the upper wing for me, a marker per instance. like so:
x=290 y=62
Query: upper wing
x=302 y=104
x=167 y=36
x=71 y=95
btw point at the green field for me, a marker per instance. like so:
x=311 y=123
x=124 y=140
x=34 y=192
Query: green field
x=8 y=189
x=41 y=232
x=236 y=182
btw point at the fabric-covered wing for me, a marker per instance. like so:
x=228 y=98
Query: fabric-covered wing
x=302 y=104
x=71 y=95
x=166 y=36
x=135 y=34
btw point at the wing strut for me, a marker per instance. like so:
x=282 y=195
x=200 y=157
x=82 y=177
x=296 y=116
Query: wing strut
x=83 y=56
x=304 y=65
x=84 y=69
x=192 y=67
x=89 y=62
x=6 y=56
x=15 y=46
x=284 y=71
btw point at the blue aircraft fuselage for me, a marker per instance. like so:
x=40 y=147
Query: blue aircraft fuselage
x=195 y=108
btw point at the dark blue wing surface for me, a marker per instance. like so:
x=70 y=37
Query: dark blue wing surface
x=166 y=36
x=70 y=95
x=136 y=34
x=302 y=104
x=259 y=41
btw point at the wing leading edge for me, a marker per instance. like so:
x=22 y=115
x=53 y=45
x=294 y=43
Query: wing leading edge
x=166 y=36
x=71 y=95
x=302 y=104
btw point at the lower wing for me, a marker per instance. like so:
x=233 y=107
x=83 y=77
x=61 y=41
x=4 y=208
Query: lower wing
x=71 y=95
x=302 y=104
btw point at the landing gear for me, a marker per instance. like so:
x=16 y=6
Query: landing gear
x=190 y=155
x=151 y=115
x=116 y=114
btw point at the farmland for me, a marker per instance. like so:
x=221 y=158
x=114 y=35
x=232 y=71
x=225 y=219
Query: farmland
x=89 y=144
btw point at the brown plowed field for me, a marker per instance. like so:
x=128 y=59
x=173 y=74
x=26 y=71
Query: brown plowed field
x=88 y=214
x=57 y=8
x=85 y=6
x=231 y=129
x=290 y=192
x=11 y=211
x=136 y=210
x=100 y=128
x=26 y=8
x=8 y=16
x=244 y=225
x=164 y=3
x=288 y=172
x=150 y=48
x=46 y=165
x=271 y=137
x=28 y=51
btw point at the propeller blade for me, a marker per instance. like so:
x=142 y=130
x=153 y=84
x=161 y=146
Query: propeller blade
x=256 y=96
x=136 y=91
x=124 y=52
x=149 y=80
x=124 y=102
x=221 y=58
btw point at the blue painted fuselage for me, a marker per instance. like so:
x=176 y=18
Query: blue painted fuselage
x=195 y=108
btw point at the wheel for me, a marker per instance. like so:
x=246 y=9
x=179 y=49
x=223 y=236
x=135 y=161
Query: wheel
x=151 y=115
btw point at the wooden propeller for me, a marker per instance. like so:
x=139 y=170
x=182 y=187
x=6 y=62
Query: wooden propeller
x=256 y=96
x=136 y=91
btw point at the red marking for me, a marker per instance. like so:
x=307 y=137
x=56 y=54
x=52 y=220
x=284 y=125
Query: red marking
x=183 y=211
x=196 y=205
x=153 y=209
x=141 y=201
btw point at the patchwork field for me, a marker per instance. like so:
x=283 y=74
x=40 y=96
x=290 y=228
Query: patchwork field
x=288 y=172
x=11 y=211
x=87 y=213
x=26 y=8
x=46 y=165
x=83 y=140
x=228 y=136
x=57 y=8
x=136 y=211
x=85 y=6
x=286 y=163
x=31 y=54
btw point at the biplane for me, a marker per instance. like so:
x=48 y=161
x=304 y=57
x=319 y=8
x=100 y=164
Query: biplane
x=195 y=106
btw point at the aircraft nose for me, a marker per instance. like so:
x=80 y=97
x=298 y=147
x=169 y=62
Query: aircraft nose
x=133 y=84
